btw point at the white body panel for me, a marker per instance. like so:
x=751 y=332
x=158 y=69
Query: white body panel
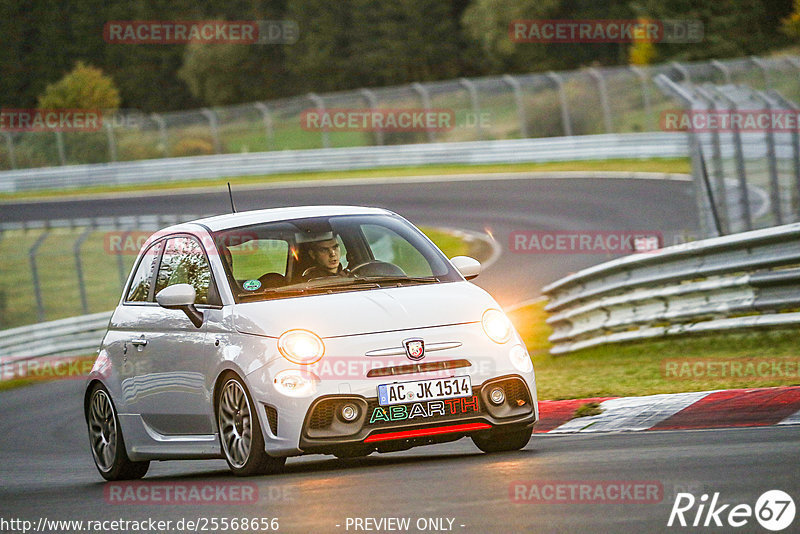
x=164 y=390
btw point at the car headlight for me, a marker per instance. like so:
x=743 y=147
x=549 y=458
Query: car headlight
x=301 y=346
x=496 y=325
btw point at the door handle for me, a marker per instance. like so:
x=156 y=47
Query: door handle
x=138 y=342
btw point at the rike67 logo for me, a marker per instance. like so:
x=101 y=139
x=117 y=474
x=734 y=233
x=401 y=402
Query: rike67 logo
x=774 y=510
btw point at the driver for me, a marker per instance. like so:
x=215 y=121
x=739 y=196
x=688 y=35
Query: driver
x=325 y=255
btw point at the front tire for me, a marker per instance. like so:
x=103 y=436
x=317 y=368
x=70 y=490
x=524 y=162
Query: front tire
x=240 y=432
x=106 y=441
x=500 y=441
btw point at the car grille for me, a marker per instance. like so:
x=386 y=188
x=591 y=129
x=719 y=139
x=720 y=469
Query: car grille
x=323 y=413
x=515 y=391
x=272 y=418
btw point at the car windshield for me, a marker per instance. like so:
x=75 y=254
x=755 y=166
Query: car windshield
x=328 y=254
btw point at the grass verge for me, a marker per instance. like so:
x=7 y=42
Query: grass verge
x=671 y=365
x=666 y=165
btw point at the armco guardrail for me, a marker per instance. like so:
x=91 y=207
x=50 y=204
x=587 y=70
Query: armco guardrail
x=739 y=281
x=64 y=337
x=589 y=147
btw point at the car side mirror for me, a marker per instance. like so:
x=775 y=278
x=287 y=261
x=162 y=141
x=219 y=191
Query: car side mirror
x=181 y=297
x=468 y=267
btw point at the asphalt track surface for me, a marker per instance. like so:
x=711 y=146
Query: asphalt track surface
x=46 y=469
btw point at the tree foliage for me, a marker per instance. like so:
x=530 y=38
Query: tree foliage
x=790 y=26
x=346 y=45
x=85 y=87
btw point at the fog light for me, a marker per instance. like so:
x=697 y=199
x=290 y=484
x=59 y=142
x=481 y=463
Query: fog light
x=497 y=396
x=349 y=412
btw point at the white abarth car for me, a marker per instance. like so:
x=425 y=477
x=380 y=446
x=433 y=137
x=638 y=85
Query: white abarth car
x=336 y=330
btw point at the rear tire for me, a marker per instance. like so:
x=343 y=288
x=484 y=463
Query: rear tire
x=106 y=441
x=499 y=441
x=240 y=432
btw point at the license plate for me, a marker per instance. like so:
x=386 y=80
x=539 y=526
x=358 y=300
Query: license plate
x=424 y=390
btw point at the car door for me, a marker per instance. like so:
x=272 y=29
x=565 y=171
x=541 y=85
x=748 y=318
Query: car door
x=170 y=361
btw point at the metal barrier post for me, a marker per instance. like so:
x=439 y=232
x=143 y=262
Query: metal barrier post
x=317 y=101
x=648 y=109
x=703 y=195
x=772 y=163
x=601 y=86
x=112 y=143
x=764 y=70
x=720 y=191
x=476 y=110
x=76 y=250
x=795 y=152
x=683 y=70
x=267 y=118
x=10 y=148
x=726 y=72
x=213 y=124
x=741 y=173
x=162 y=130
x=372 y=102
x=62 y=153
x=523 y=121
x=425 y=97
x=562 y=97
x=37 y=291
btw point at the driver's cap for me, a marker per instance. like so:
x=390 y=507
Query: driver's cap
x=313 y=237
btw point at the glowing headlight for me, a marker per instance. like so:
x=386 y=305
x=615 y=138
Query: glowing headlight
x=295 y=383
x=520 y=359
x=301 y=346
x=496 y=325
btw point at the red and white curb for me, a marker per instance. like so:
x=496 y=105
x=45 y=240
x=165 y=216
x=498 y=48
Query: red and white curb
x=675 y=411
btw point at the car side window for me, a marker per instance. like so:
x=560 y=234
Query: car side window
x=258 y=256
x=183 y=262
x=139 y=290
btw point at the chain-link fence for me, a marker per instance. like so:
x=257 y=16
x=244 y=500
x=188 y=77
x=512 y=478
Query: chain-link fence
x=57 y=269
x=744 y=145
x=589 y=101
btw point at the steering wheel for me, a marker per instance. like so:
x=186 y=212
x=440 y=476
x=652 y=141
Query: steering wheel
x=377 y=268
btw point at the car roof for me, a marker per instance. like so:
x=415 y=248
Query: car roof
x=246 y=218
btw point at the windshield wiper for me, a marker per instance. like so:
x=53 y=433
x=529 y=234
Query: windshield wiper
x=401 y=279
x=271 y=292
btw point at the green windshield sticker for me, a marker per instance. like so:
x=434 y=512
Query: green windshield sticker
x=251 y=285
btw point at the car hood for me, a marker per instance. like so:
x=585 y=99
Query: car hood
x=366 y=311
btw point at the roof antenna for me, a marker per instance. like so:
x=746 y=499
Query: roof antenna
x=230 y=194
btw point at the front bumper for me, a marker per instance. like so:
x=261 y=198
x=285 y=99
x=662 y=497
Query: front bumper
x=407 y=425
x=342 y=374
